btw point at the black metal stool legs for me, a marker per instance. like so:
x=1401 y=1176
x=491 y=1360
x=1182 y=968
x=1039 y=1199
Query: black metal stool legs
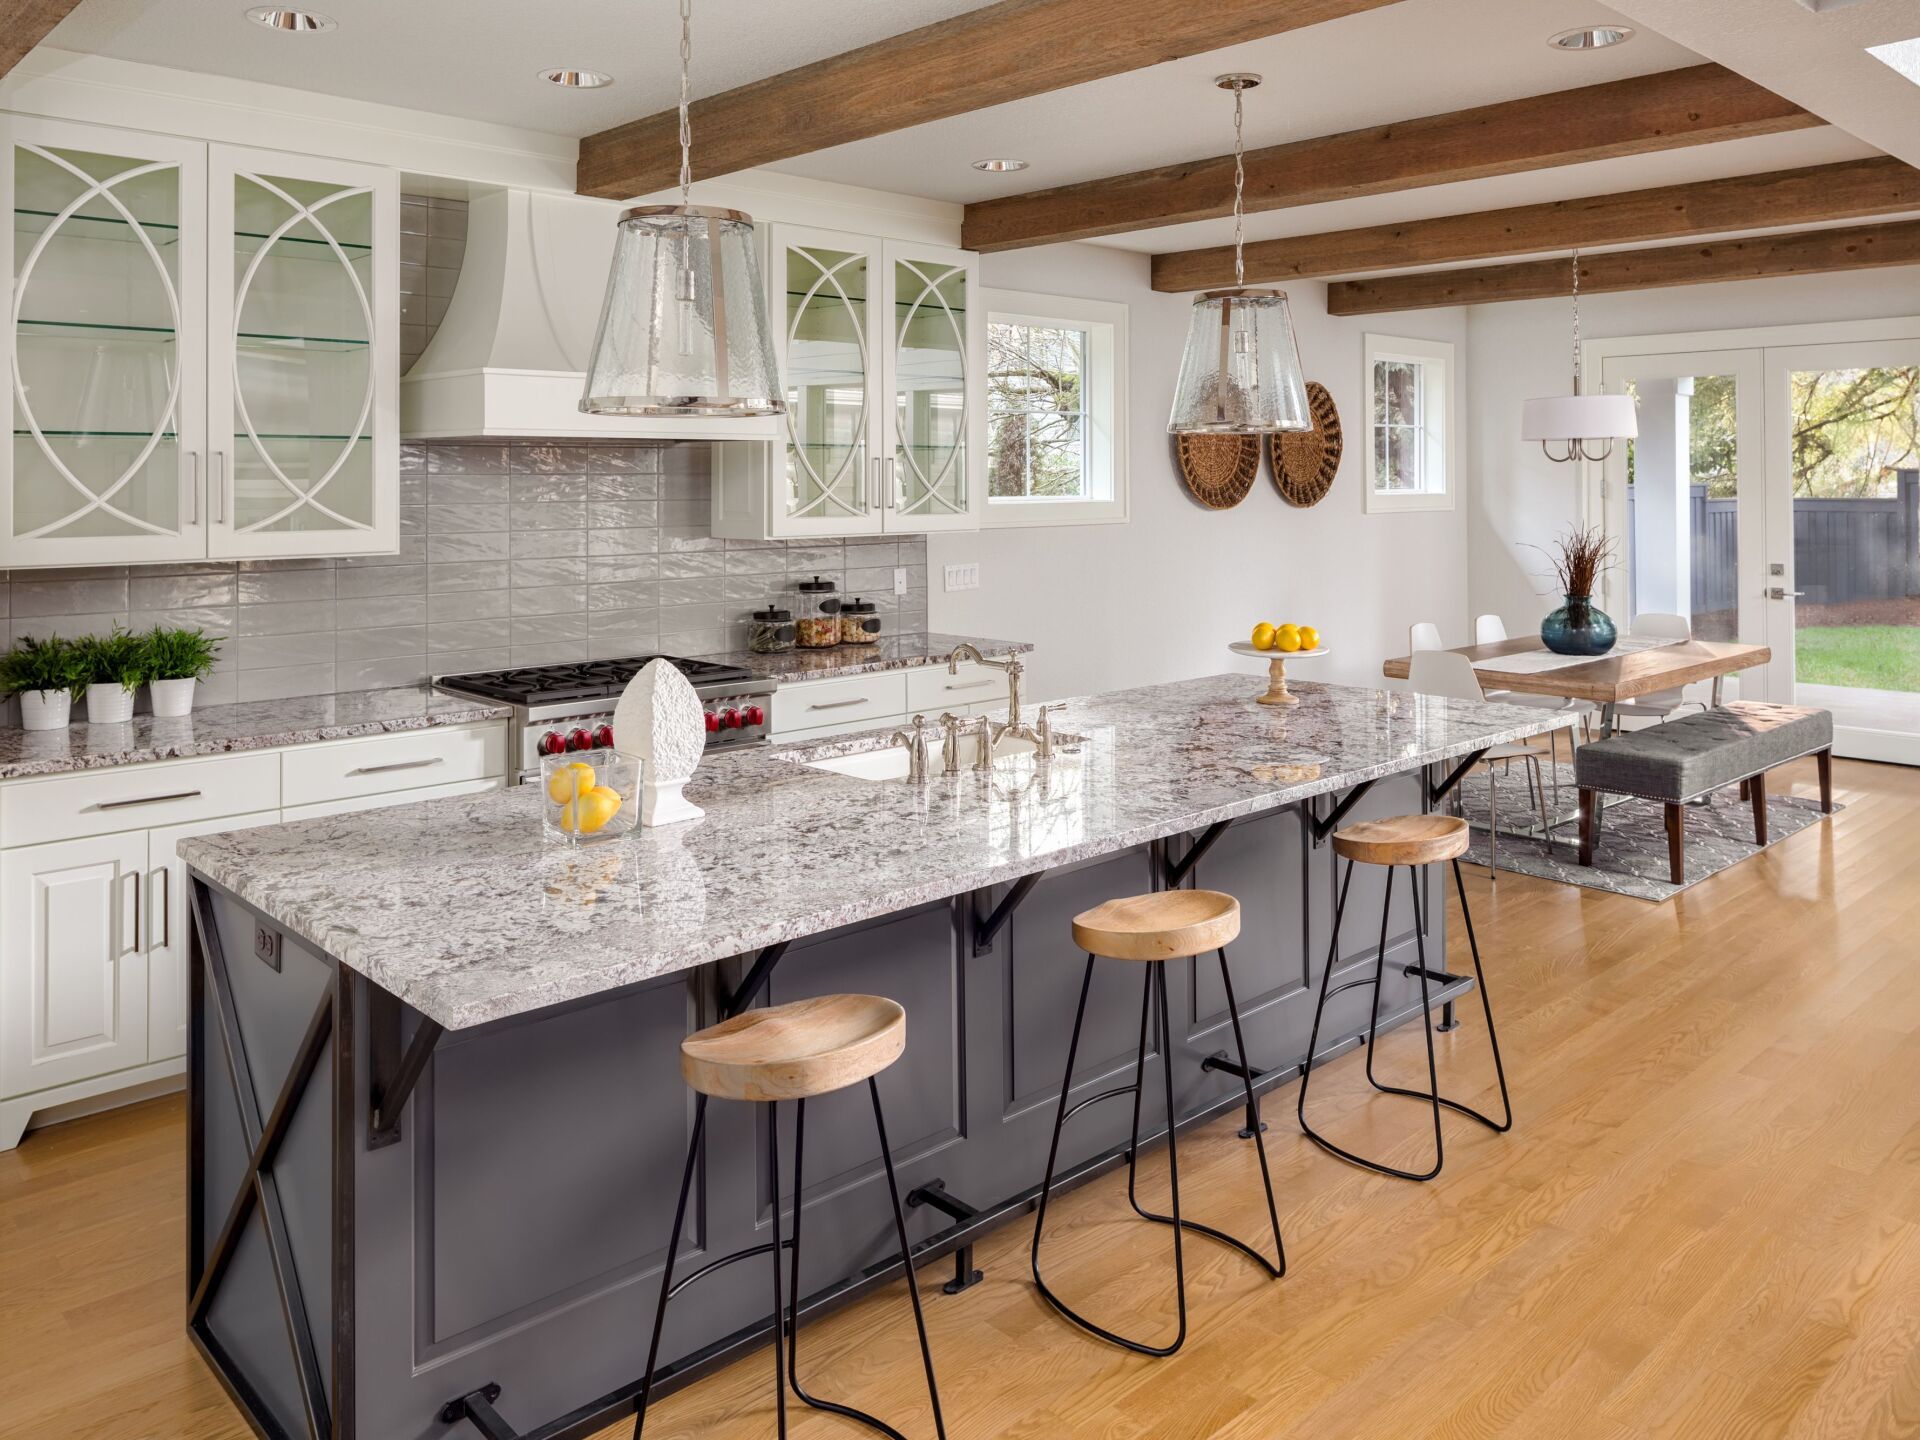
x=1154 y=984
x=666 y=1273
x=1421 y=971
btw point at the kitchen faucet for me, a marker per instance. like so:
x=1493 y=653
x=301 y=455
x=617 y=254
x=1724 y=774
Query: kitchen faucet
x=968 y=651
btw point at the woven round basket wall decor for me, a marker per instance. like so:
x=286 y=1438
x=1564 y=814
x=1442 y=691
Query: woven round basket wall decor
x=1305 y=461
x=1218 y=470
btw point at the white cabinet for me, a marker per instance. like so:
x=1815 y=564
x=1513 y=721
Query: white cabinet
x=202 y=355
x=819 y=709
x=882 y=350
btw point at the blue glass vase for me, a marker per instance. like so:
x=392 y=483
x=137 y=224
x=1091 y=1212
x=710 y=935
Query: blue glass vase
x=1578 y=627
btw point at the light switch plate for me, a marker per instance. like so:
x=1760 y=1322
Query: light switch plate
x=963 y=577
x=899 y=579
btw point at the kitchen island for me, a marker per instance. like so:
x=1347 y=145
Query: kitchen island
x=436 y=1110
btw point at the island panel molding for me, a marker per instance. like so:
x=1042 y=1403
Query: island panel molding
x=1849 y=190
x=1694 y=106
x=1805 y=252
x=1013 y=49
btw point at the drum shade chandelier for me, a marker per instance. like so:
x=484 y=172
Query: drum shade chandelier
x=1240 y=373
x=683 y=330
x=1585 y=426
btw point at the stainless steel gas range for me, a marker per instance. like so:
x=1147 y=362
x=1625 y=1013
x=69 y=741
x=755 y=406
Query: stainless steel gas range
x=557 y=708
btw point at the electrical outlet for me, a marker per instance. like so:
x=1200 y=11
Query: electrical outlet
x=963 y=577
x=266 y=944
x=899 y=579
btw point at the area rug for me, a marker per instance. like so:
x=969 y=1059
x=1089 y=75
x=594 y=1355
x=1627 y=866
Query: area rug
x=1631 y=856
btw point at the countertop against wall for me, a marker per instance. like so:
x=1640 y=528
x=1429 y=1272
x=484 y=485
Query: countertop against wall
x=220 y=729
x=891 y=652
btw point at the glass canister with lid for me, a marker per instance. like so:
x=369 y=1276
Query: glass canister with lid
x=770 y=631
x=817 y=616
x=859 y=622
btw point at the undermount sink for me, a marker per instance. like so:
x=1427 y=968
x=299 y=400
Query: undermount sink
x=890 y=763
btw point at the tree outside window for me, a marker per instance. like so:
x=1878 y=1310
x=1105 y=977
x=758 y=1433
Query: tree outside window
x=1036 y=411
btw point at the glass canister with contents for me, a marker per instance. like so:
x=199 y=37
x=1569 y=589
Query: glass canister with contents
x=817 y=622
x=859 y=622
x=770 y=631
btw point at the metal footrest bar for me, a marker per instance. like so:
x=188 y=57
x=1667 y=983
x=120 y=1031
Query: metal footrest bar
x=934 y=1193
x=476 y=1408
x=1421 y=972
x=1219 y=1061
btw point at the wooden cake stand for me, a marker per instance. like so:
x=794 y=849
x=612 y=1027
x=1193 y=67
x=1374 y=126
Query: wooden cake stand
x=1277 y=692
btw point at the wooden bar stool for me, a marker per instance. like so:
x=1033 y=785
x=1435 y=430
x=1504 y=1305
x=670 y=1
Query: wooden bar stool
x=791 y=1052
x=1170 y=925
x=1404 y=841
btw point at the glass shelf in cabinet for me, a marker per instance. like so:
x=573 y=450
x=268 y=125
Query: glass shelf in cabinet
x=246 y=242
x=256 y=340
x=96 y=227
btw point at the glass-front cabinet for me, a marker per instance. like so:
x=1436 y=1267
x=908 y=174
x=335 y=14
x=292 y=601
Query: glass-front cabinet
x=194 y=363
x=880 y=353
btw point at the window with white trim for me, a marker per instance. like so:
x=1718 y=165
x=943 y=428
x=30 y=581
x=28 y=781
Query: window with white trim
x=1056 y=410
x=1409 y=410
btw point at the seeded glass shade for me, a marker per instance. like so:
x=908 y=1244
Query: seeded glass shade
x=684 y=328
x=1579 y=417
x=1240 y=374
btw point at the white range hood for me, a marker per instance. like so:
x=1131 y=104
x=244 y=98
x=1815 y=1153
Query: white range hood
x=510 y=358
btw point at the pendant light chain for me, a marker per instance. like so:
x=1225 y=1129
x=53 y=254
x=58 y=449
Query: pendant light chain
x=686 y=91
x=1576 y=321
x=1239 y=187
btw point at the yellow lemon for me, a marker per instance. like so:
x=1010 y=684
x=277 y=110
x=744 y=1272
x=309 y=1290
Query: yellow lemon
x=568 y=781
x=1309 y=638
x=597 y=807
x=1287 y=638
x=1263 y=636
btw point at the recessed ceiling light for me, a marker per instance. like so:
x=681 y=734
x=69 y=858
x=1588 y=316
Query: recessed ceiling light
x=999 y=167
x=1592 y=37
x=576 y=79
x=296 y=21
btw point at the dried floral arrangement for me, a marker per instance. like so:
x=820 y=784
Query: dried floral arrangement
x=1578 y=557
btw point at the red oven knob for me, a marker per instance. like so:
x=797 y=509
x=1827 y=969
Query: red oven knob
x=713 y=723
x=754 y=715
x=730 y=719
x=579 y=740
x=552 y=743
x=603 y=738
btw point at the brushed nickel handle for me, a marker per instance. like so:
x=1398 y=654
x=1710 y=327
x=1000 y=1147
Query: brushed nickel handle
x=136 y=912
x=1780 y=592
x=148 y=800
x=886 y=492
x=193 y=487
x=975 y=685
x=839 y=704
x=166 y=905
x=398 y=765
x=217 y=472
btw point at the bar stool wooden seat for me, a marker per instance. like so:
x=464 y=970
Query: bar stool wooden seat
x=1153 y=929
x=1404 y=842
x=791 y=1052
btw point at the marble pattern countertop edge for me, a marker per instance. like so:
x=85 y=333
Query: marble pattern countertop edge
x=461 y=910
x=910 y=651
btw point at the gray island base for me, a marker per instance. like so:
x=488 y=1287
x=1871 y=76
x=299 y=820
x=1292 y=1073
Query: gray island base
x=437 y=1120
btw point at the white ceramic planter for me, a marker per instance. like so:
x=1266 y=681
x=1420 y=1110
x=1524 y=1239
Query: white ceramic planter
x=172 y=698
x=45 y=709
x=109 y=704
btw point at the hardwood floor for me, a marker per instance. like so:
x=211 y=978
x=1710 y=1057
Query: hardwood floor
x=1706 y=1222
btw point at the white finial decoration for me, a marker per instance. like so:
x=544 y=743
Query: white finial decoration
x=659 y=722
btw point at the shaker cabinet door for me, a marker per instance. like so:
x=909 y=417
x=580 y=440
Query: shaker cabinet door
x=104 y=351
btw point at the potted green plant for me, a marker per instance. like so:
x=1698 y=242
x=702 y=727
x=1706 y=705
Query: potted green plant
x=114 y=667
x=177 y=660
x=46 y=675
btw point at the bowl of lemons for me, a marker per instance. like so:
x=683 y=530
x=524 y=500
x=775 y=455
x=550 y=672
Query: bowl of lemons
x=589 y=796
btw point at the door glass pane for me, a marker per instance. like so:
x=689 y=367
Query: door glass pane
x=1856 y=544
x=97 y=379
x=827 y=367
x=1682 y=552
x=303 y=357
x=930 y=388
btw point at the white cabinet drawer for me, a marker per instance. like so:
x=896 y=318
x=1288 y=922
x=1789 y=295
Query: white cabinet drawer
x=137 y=797
x=930 y=689
x=348 y=769
x=841 y=703
x=390 y=797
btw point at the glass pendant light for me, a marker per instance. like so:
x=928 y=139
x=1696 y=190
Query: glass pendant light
x=1241 y=373
x=1576 y=421
x=683 y=331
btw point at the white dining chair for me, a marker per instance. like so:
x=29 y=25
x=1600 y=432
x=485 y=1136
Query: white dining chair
x=1424 y=635
x=1661 y=704
x=1449 y=674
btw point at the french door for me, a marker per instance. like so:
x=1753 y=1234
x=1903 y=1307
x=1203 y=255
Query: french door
x=1773 y=497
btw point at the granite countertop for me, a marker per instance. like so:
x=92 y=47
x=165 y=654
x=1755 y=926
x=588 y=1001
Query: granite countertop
x=892 y=652
x=464 y=911
x=220 y=729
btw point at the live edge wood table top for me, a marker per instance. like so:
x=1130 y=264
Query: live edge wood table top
x=1611 y=678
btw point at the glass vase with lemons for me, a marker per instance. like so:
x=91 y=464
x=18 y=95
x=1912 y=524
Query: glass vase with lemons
x=588 y=796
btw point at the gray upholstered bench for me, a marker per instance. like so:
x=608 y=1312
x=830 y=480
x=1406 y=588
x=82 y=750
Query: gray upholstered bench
x=1687 y=758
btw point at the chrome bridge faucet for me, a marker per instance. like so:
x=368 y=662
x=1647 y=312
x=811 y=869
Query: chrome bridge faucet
x=1014 y=669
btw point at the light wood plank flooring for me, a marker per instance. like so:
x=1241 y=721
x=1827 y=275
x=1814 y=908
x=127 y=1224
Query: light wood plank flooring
x=1706 y=1223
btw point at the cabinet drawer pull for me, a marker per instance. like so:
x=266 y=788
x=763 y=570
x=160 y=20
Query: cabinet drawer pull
x=839 y=704
x=974 y=685
x=166 y=906
x=398 y=765
x=136 y=912
x=148 y=800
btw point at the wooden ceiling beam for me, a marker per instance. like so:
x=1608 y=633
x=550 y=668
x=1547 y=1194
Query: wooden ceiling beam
x=1850 y=190
x=1692 y=106
x=1751 y=257
x=990 y=56
x=24 y=24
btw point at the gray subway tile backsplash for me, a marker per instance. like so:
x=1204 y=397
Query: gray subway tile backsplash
x=515 y=553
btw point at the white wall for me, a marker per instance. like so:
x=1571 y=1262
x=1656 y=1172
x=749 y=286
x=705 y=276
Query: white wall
x=1159 y=597
x=1523 y=349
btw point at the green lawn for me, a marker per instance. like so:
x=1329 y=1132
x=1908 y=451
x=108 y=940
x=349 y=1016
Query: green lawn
x=1871 y=657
